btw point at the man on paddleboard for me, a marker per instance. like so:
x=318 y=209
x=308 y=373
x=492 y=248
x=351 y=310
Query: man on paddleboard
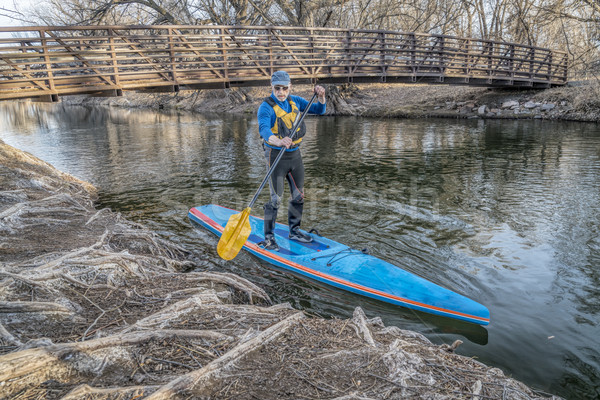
x=276 y=116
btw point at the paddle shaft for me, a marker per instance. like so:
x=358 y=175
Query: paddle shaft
x=270 y=172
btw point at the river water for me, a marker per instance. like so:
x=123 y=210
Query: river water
x=504 y=212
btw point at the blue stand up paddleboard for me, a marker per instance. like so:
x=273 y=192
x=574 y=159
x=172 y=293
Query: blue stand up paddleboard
x=340 y=266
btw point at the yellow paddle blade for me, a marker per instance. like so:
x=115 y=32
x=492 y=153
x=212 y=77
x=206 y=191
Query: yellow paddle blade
x=235 y=235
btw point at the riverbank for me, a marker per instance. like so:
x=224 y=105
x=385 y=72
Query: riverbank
x=575 y=102
x=96 y=306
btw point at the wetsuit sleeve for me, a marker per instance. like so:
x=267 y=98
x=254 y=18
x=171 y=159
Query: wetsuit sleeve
x=316 y=108
x=266 y=119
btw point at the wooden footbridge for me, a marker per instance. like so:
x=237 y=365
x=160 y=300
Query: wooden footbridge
x=46 y=62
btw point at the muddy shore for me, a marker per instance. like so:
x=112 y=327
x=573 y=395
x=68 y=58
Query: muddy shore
x=576 y=102
x=94 y=306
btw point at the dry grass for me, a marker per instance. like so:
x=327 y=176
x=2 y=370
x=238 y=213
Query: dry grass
x=583 y=96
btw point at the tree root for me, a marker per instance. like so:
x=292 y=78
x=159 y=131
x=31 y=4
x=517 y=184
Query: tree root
x=250 y=289
x=359 y=321
x=198 y=308
x=175 y=312
x=32 y=307
x=7 y=336
x=117 y=393
x=63 y=362
x=198 y=382
x=31 y=283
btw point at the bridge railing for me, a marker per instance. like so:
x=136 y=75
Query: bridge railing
x=52 y=61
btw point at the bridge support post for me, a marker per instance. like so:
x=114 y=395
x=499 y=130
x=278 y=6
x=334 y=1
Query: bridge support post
x=170 y=38
x=49 y=74
x=108 y=93
x=490 y=63
x=382 y=57
x=46 y=98
x=467 y=58
x=270 y=33
x=113 y=57
x=511 y=62
x=348 y=55
x=531 y=64
x=223 y=46
x=413 y=56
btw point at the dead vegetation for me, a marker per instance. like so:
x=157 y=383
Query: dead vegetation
x=96 y=307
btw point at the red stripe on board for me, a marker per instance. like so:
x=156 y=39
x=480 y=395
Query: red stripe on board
x=301 y=267
x=207 y=219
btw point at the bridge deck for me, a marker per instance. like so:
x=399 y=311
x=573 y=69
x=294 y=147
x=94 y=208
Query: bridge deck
x=50 y=61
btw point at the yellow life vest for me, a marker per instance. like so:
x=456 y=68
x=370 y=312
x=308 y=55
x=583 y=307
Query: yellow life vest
x=285 y=120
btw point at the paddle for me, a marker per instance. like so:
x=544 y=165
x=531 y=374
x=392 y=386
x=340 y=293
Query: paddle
x=238 y=227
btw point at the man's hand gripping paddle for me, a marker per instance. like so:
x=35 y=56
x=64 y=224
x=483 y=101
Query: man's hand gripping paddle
x=238 y=227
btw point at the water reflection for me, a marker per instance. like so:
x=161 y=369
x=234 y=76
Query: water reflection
x=504 y=212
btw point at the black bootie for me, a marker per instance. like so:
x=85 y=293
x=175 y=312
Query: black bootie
x=270 y=218
x=294 y=219
x=295 y=214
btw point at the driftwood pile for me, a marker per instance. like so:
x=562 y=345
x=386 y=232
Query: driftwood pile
x=93 y=306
